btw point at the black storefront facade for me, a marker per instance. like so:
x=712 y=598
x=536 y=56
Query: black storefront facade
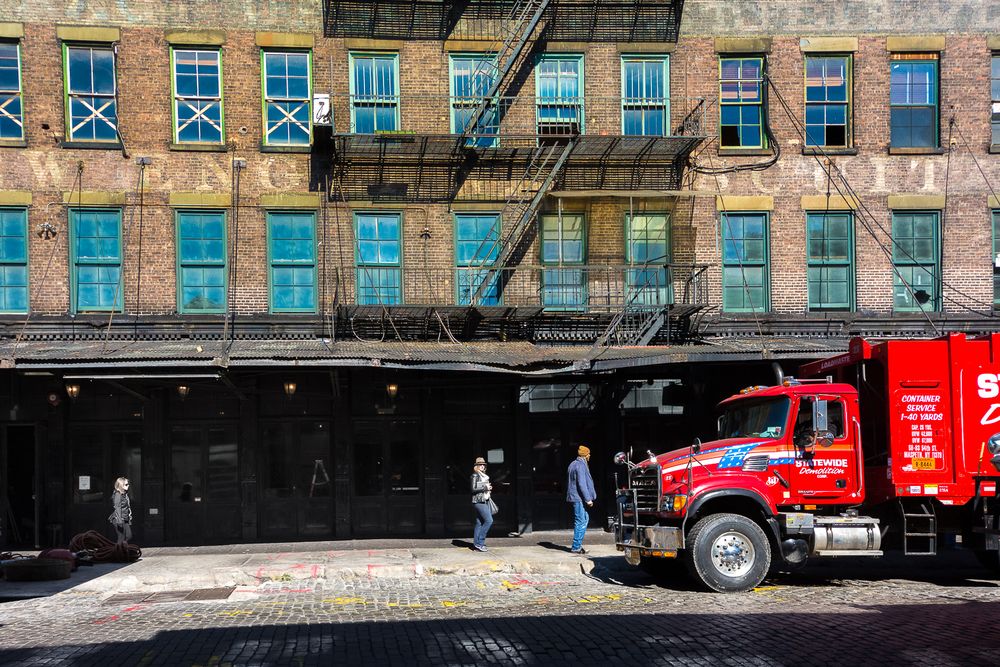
x=334 y=443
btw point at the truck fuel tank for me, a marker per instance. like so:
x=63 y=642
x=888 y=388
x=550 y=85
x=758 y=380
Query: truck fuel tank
x=846 y=536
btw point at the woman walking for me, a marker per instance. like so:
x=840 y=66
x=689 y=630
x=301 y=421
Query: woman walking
x=482 y=503
x=121 y=517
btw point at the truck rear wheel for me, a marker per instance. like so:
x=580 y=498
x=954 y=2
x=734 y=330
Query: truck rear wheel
x=729 y=553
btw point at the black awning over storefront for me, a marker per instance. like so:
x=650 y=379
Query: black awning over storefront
x=505 y=357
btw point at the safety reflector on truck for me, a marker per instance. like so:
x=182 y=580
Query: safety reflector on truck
x=988 y=489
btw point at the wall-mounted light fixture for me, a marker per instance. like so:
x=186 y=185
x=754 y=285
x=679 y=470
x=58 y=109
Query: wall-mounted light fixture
x=72 y=390
x=290 y=388
x=183 y=390
x=391 y=390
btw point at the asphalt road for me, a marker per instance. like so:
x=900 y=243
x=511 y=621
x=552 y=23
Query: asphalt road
x=853 y=613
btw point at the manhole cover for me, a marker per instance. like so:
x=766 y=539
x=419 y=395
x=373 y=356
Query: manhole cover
x=210 y=594
x=126 y=598
x=168 y=596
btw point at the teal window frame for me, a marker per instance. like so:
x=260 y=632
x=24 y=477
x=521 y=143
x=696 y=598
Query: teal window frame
x=916 y=258
x=105 y=265
x=563 y=110
x=199 y=104
x=741 y=102
x=11 y=93
x=746 y=258
x=995 y=99
x=202 y=264
x=378 y=275
x=650 y=251
x=640 y=96
x=564 y=280
x=14 y=278
x=81 y=95
x=288 y=108
x=375 y=99
x=830 y=260
x=908 y=97
x=828 y=100
x=477 y=245
x=292 y=262
x=467 y=91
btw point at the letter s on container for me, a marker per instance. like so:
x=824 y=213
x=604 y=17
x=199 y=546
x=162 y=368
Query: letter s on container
x=988 y=385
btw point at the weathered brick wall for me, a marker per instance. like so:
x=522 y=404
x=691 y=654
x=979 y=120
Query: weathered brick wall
x=143 y=67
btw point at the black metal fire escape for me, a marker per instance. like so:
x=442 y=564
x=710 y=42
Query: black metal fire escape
x=488 y=159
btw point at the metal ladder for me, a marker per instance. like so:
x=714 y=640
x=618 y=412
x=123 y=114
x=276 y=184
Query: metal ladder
x=516 y=31
x=919 y=526
x=634 y=325
x=521 y=206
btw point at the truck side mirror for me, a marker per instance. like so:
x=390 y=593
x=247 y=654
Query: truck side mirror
x=696 y=445
x=820 y=416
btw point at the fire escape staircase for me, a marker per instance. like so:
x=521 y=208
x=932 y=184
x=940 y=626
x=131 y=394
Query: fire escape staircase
x=515 y=33
x=636 y=324
x=521 y=207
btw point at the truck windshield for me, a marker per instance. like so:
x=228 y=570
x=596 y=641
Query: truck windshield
x=755 y=419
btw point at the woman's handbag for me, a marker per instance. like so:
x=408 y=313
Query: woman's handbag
x=493 y=507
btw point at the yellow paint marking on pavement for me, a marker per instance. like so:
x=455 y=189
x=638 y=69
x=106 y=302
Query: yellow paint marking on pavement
x=509 y=586
x=235 y=612
x=765 y=589
x=453 y=603
x=480 y=585
x=345 y=600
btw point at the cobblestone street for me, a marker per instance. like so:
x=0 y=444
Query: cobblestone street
x=829 y=614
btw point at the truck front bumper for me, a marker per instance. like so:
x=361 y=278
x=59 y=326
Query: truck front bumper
x=665 y=539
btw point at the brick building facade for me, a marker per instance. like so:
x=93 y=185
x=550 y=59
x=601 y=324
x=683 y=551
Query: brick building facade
x=767 y=177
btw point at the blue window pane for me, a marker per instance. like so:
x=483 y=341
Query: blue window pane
x=815 y=115
x=104 y=71
x=81 y=79
x=10 y=79
x=836 y=114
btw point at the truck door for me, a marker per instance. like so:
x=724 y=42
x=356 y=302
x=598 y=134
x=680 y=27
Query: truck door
x=822 y=470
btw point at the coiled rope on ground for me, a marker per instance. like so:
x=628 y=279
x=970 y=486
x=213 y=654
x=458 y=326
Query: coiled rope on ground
x=103 y=550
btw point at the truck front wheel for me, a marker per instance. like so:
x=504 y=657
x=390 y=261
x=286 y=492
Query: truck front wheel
x=728 y=553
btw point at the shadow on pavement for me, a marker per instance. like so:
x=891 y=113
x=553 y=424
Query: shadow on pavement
x=462 y=543
x=555 y=547
x=22 y=590
x=877 y=634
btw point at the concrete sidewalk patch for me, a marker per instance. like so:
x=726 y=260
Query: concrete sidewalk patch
x=253 y=570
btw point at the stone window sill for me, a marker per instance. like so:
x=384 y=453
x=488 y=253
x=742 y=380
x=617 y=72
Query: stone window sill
x=915 y=151
x=204 y=148
x=92 y=145
x=285 y=149
x=810 y=150
x=13 y=143
x=751 y=152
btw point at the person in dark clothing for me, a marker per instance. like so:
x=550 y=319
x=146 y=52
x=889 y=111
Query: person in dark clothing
x=482 y=503
x=121 y=516
x=580 y=492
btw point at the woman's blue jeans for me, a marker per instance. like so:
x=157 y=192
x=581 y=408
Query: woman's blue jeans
x=484 y=519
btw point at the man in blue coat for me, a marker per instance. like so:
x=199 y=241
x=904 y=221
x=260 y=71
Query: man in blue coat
x=580 y=492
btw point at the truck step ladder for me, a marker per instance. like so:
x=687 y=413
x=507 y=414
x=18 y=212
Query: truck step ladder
x=919 y=527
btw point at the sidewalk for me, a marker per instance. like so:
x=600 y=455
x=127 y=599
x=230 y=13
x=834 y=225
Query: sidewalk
x=252 y=568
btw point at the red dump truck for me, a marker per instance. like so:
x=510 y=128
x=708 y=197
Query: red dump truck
x=890 y=445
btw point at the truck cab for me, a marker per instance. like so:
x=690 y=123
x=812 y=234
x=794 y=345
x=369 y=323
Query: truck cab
x=786 y=463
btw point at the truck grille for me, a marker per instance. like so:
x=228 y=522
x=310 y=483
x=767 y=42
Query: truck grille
x=646 y=483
